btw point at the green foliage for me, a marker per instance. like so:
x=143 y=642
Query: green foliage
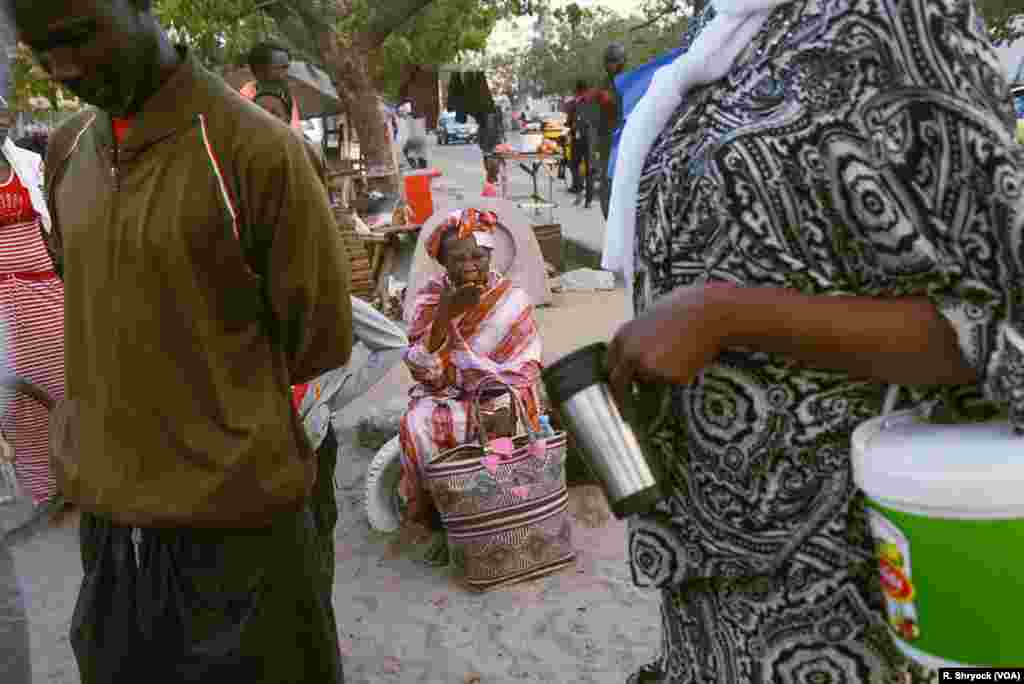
x=998 y=15
x=1004 y=18
x=223 y=31
x=577 y=36
x=437 y=35
x=29 y=81
x=218 y=31
x=574 y=45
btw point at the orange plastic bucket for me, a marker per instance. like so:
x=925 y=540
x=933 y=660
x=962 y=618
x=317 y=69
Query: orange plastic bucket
x=419 y=195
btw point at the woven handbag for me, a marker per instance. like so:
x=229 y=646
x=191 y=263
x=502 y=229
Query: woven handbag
x=504 y=504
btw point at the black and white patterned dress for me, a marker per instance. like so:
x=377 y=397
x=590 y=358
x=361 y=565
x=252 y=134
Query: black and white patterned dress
x=858 y=147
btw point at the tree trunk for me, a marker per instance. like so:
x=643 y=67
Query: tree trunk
x=349 y=64
x=348 y=58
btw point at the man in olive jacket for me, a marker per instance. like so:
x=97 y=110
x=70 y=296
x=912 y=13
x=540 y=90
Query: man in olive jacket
x=204 y=276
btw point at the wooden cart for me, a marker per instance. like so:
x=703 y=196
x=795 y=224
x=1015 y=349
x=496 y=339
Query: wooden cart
x=361 y=279
x=372 y=254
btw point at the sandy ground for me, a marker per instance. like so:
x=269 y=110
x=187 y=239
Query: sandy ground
x=400 y=621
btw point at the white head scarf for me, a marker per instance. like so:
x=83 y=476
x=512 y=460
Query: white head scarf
x=709 y=58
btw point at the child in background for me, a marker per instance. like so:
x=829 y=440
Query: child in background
x=492 y=188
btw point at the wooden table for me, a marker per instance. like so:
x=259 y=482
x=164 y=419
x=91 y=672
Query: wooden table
x=343 y=182
x=383 y=244
x=535 y=160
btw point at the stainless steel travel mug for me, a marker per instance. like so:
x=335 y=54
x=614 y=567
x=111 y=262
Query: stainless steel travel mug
x=578 y=386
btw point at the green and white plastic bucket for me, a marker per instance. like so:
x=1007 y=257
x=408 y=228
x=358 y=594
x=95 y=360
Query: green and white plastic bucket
x=946 y=506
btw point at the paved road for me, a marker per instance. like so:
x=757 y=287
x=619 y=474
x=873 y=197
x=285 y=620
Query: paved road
x=462 y=166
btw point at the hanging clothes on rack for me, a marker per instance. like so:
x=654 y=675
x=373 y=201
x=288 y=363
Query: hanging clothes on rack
x=457 y=97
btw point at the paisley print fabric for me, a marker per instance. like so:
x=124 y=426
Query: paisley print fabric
x=858 y=147
x=696 y=25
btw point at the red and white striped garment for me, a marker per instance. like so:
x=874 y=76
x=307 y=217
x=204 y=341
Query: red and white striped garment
x=497 y=340
x=32 y=305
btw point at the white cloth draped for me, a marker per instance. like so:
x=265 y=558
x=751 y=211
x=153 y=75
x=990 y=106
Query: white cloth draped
x=709 y=58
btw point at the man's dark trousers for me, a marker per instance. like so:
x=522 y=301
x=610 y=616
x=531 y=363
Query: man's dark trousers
x=205 y=606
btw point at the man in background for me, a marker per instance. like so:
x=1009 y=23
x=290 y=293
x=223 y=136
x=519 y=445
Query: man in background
x=269 y=64
x=614 y=64
x=576 y=167
x=587 y=112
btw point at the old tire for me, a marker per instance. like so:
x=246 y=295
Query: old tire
x=383 y=504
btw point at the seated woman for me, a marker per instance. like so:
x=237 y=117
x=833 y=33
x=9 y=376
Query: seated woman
x=469 y=326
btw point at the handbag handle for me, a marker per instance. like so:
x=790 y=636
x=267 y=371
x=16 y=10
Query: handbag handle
x=518 y=411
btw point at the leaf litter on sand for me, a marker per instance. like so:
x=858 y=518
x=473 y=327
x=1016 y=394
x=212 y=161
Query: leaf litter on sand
x=528 y=593
x=408 y=536
x=588 y=506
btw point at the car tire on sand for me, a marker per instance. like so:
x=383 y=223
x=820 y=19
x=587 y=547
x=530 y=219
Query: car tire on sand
x=383 y=503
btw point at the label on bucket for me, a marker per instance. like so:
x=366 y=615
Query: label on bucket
x=893 y=551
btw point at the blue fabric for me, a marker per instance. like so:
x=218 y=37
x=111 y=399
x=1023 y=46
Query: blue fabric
x=632 y=85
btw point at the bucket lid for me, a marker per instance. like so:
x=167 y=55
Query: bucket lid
x=977 y=467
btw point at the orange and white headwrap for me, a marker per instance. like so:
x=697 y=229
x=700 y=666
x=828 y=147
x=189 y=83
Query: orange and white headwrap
x=465 y=222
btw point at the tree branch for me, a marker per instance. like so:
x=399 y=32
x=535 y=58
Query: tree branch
x=391 y=16
x=669 y=9
x=253 y=10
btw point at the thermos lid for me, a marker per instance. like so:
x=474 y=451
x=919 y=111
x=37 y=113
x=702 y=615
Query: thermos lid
x=575 y=372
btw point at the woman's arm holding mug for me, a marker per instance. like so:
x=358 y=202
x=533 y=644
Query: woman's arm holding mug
x=903 y=340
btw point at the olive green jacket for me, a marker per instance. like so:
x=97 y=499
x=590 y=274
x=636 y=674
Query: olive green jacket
x=203 y=277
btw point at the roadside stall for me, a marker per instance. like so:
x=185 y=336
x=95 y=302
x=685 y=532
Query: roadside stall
x=371 y=225
x=537 y=154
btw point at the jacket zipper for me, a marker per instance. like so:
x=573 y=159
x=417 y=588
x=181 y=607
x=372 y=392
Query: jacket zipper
x=55 y=239
x=116 y=148
x=136 y=535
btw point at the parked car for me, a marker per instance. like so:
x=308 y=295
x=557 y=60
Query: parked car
x=449 y=130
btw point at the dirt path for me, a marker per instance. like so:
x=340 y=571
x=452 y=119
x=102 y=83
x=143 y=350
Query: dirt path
x=400 y=621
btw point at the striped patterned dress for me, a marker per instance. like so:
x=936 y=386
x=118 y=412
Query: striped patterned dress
x=498 y=340
x=32 y=304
